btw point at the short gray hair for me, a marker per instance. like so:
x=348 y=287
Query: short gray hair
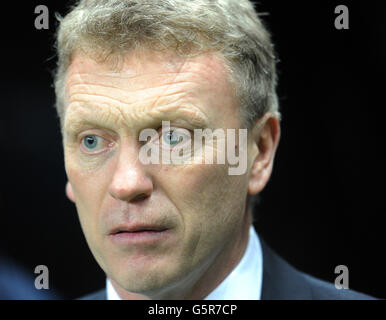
x=230 y=28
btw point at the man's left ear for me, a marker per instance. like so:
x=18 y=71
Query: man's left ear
x=266 y=136
x=69 y=192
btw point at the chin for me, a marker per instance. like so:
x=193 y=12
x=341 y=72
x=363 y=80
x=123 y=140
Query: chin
x=148 y=286
x=141 y=278
x=151 y=282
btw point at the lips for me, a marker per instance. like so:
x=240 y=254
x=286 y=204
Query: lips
x=137 y=229
x=139 y=235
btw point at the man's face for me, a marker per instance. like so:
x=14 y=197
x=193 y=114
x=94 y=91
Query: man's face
x=157 y=225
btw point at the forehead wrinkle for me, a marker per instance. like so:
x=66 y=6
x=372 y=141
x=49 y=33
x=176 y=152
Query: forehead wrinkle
x=174 y=112
x=135 y=67
x=128 y=95
x=127 y=86
x=123 y=96
x=127 y=79
x=83 y=112
x=140 y=98
x=140 y=108
x=105 y=115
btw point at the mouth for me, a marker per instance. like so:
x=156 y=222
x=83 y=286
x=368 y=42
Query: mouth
x=125 y=235
x=137 y=229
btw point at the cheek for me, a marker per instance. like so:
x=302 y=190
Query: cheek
x=203 y=193
x=89 y=189
x=211 y=206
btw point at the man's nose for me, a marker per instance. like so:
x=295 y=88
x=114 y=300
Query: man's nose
x=130 y=181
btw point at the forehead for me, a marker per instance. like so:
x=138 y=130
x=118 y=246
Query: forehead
x=143 y=63
x=147 y=78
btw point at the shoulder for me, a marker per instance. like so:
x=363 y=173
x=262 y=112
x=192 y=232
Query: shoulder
x=97 y=295
x=282 y=281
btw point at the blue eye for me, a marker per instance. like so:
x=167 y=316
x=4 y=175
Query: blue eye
x=172 y=137
x=90 y=142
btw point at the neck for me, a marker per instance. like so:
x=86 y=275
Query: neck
x=201 y=283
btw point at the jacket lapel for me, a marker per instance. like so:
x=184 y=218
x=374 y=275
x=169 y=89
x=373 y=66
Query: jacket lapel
x=280 y=280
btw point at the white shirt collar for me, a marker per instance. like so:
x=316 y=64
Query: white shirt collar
x=110 y=291
x=243 y=283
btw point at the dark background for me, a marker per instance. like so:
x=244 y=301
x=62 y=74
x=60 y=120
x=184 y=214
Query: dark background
x=324 y=205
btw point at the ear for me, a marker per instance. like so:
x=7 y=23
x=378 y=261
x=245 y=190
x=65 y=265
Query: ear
x=69 y=192
x=266 y=136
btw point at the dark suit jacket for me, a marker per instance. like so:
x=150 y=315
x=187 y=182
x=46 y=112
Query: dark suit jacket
x=281 y=281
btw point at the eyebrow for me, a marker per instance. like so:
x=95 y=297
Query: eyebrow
x=194 y=116
x=183 y=113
